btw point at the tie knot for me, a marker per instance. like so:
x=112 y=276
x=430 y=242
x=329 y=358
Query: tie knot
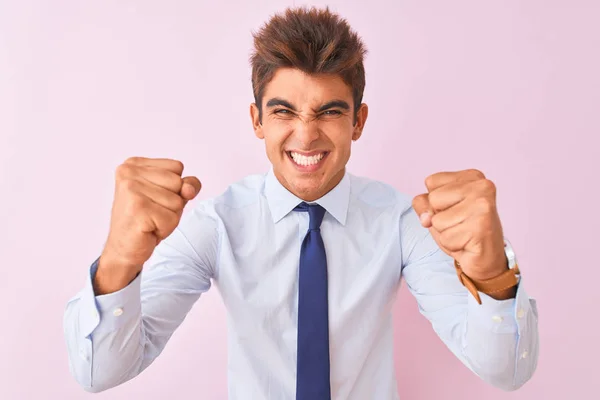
x=315 y=212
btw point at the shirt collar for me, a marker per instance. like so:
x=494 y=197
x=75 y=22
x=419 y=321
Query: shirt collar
x=281 y=201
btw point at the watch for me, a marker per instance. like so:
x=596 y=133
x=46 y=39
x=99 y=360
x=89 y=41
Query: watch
x=509 y=278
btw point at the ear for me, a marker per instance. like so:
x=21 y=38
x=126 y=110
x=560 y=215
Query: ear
x=361 y=119
x=256 y=124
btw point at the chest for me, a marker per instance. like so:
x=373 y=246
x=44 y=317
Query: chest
x=259 y=263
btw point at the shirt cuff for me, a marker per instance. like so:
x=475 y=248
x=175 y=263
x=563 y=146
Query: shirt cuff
x=109 y=311
x=502 y=316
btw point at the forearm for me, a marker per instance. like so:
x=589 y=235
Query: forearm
x=498 y=339
x=110 y=340
x=494 y=271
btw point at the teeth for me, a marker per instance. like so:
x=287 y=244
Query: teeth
x=306 y=161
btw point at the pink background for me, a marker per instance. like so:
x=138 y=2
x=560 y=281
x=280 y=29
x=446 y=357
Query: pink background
x=508 y=87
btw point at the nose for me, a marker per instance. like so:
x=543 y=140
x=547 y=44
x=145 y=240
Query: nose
x=306 y=131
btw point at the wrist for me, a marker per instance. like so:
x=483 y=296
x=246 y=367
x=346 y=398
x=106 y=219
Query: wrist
x=113 y=274
x=500 y=284
x=491 y=272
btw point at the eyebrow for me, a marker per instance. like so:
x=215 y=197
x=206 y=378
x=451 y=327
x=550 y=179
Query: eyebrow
x=276 y=101
x=334 y=104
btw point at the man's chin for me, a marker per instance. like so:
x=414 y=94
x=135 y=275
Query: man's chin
x=308 y=186
x=300 y=184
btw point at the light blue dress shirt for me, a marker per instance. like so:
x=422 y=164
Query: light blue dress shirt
x=247 y=242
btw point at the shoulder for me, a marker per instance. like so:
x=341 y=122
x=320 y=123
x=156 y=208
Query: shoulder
x=378 y=194
x=241 y=194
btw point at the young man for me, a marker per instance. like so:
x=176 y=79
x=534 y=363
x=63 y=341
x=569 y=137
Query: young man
x=308 y=257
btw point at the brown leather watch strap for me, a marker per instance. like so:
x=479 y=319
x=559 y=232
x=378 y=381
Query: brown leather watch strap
x=505 y=280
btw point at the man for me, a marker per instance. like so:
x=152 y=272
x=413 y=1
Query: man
x=308 y=257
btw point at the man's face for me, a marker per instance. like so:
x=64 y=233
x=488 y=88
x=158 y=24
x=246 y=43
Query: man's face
x=308 y=127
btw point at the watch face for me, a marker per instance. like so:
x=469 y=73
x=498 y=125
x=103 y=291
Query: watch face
x=510 y=254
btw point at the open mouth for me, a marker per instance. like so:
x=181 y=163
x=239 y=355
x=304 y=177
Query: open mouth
x=305 y=162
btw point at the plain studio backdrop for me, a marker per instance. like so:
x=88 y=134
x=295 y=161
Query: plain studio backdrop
x=508 y=87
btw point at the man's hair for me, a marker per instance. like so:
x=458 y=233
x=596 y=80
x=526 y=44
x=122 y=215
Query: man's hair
x=312 y=40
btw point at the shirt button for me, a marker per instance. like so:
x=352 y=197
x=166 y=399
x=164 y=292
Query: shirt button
x=520 y=313
x=83 y=355
x=525 y=354
x=118 y=312
x=497 y=318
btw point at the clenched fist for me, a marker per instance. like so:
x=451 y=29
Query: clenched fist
x=150 y=195
x=460 y=212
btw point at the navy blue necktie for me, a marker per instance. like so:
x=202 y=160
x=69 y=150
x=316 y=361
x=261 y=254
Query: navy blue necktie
x=312 y=377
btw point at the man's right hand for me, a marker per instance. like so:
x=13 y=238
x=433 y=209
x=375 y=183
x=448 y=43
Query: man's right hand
x=150 y=195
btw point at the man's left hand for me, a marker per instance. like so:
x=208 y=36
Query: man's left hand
x=460 y=212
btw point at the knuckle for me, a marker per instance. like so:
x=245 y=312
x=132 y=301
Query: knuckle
x=475 y=173
x=429 y=181
x=178 y=202
x=124 y=170
x=434 y=198
x=178 y=165
x=484 y=204
x=176 y=182
x=488 y=186
x=418 y=200
x=133 y=160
